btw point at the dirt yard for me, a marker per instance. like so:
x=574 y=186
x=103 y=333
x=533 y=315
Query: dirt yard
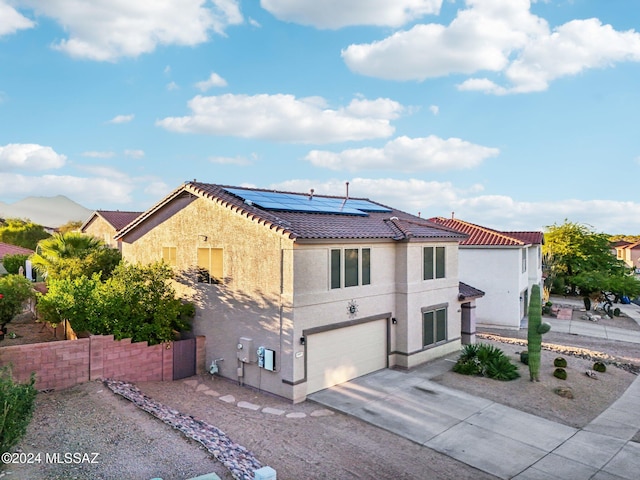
x=304 y=441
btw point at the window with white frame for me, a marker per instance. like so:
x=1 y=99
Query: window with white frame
x=350 y=267
x=434 y=262
x=434 y=325
x=524 y=260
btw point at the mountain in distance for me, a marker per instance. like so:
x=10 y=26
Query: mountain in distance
x=46 y=211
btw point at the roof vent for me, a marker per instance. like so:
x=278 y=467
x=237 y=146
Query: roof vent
x=394 y=218
x=248 y=202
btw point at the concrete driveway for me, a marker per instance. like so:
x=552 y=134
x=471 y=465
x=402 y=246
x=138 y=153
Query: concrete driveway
x=492 y=437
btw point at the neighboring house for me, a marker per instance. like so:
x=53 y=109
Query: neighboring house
x=104 y=224
x=629 y=253
x=296 y=293
x=504 y=265
x=8 y=249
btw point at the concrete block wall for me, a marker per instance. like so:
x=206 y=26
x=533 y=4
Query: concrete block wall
x=63 y=364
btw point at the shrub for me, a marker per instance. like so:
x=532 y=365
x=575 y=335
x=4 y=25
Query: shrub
x=17 y=401
x=14 y=291
x=560 y=373
x=485 y=360
x=560 y=362
x=616 y=312
x=524 y=357
x=12 y=263
x=600 y=367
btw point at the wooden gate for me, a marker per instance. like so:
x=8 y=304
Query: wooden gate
x=184 y=358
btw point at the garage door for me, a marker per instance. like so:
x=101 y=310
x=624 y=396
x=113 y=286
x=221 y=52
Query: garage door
x=339 y=355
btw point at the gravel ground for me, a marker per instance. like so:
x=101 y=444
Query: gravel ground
x=303 y=441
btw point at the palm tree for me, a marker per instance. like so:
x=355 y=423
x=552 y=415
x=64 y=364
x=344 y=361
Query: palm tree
x=72 y=254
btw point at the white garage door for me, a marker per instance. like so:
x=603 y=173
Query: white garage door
x=337 y=356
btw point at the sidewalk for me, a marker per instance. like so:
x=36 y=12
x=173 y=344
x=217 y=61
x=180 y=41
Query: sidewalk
x=494 y=438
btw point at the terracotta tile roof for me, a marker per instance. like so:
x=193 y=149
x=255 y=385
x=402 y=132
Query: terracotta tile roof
x=468 y=292
x=118 y=219
x=393 y=224
x=8 y=249
x=488 y=237
x=534 y=238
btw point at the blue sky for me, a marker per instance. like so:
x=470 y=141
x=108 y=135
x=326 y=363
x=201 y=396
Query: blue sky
x=513 y=114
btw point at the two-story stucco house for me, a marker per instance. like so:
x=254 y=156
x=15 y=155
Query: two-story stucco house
x=104 y=224
x=504 y=265
x=299 y=292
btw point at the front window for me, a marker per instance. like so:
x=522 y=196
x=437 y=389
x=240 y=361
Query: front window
x=434 y=326
x=434 y=262
x=350 y=267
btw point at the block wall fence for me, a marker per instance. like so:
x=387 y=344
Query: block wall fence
x=66 y=363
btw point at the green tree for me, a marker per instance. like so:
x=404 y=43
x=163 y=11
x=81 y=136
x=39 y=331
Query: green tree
x=22 y=233
x=74 y=254
x=12 y=263
x=136 y=302
x=70 y=226
x=581 y=259
x=15 y=290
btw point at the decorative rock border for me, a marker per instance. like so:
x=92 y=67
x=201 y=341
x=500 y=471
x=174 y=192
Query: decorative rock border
x=566 y=350
x=240 y=462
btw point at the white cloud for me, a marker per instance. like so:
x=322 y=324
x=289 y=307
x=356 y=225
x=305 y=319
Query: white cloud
x=172 y=86
x=495 y=36
x=238 y=161
x=105 y=30
x=11 y=20
x=134 y=153
x=439 y=199
x=122 y=119
x=285 y=118
x=87 y=190
x=94 y=154
x=406 y=154
x=434 y=109
x=214 y=80
x=339 y=13
x=29 y=156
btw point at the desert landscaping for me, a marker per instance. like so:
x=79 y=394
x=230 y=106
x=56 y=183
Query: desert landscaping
x=303 y=440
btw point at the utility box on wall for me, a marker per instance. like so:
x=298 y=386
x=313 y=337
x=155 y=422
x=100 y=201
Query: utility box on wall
x=245 y=350
x=269 y=360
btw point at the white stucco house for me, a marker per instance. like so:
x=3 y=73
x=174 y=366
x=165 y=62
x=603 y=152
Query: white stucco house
x=298 y=292
x=504 y=265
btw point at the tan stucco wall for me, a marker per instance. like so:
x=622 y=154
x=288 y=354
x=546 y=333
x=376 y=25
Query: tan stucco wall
x=98 y=227
x=254 y=301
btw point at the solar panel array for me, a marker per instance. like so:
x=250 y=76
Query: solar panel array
x=292 y=202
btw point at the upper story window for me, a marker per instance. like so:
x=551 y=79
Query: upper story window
x=169 y=256
x=524 y=260
x=210 y=265
x=350 y=267
x=434 y=262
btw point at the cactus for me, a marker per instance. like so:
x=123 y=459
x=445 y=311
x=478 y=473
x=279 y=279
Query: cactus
x=534 y=334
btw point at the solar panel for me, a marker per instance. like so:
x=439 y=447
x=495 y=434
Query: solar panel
x=290 y=202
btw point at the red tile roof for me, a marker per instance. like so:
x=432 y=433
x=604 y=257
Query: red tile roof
x=8 y=249
x=394 y=225
x=488 y=237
